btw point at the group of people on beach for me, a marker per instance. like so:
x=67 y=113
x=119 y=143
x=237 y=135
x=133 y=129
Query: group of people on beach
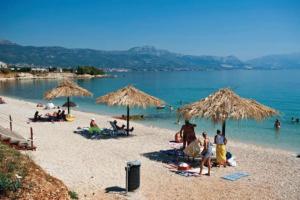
x=187 y=135
x=93 y=124
x=55 y=116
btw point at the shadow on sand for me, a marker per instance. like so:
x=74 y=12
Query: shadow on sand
x=170 y=156
x=98 y=136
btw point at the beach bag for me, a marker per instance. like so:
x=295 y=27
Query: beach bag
x=232 y=162
x=193 y=149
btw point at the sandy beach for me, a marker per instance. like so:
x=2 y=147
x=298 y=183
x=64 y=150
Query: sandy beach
x=90 y=167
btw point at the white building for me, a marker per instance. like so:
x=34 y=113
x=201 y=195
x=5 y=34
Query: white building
x=3 y=65
x=39 y=70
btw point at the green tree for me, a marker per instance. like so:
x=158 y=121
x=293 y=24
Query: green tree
x=89 y=70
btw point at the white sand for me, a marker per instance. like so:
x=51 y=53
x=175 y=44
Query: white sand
x=89 y=166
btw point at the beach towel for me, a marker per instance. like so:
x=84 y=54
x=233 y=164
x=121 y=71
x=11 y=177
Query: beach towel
x=193 y=172
x=175 y=145
x=235 y=176
x=221 y=153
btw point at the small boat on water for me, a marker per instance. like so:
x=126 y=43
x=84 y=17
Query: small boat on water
x=131 y=117
x=161 y=107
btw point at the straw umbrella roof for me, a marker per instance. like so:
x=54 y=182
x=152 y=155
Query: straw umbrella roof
x=225 y=104
x=129 y=96
x=66 y=88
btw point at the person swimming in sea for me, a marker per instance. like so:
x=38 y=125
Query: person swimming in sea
x=277 y=124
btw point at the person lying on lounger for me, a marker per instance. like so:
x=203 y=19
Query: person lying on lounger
x=121 y=127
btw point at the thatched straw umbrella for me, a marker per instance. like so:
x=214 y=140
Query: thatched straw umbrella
x=67 y=89
x=129 y=96
x=225 y=104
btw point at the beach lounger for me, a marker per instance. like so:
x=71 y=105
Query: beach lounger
x=235 y=176
x=116 y=131
x=93 y=133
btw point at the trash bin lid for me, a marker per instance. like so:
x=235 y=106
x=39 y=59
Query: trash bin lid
x=134 y=163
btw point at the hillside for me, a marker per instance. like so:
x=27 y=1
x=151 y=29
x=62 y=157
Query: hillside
x=142 y=58
x=137 y=58
x=284 y=61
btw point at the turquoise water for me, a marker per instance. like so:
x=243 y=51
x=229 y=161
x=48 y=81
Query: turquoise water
x=279 y=89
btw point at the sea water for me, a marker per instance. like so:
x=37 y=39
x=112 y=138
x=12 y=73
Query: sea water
x=279 y=89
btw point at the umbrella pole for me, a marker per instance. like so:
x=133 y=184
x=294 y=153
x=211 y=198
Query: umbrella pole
x=68 y=105
x=127 y=120
x=223 y=127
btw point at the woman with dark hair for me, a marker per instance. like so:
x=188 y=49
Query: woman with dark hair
x=187 y=132
x=206 y=154
x=220 y=141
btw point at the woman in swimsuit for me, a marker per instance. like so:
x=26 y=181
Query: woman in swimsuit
x=187 y=132
x=206 y=154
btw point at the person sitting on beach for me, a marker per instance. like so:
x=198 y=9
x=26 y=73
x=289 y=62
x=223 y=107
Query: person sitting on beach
x=187 y=132
x=178 y=138
x=277 y=124
x=39 y=105
x=220 y=141
x=63 y=115
x=206 y=154
x=37 y=116
x=93 y=123
x=57 y=115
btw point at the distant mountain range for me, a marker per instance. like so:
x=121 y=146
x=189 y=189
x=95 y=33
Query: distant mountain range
x=136 y=58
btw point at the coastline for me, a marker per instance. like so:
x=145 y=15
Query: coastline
x=91 y=166
x=51 y=75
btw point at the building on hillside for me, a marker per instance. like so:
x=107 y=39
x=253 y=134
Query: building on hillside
x=3 y=65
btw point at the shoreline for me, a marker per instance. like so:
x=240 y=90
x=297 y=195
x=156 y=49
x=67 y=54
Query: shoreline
x=91 y=166
x=50 y=76
x=112 y=116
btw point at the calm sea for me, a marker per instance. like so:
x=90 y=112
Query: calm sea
x=279 y=89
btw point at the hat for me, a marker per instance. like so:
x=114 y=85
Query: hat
x=93 y=119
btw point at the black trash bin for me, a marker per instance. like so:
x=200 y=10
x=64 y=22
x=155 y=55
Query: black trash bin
x=133 y=175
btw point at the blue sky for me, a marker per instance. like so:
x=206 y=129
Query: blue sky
x=243 y=28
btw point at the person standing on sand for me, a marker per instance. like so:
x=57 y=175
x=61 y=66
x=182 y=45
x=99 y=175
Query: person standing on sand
x=206 y=154
x=187 y=132
x=220 y=141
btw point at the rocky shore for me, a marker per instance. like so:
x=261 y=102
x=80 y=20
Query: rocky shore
x=51 y=75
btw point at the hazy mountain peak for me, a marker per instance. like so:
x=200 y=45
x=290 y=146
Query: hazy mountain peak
x=147 y=49
x=6 y=42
